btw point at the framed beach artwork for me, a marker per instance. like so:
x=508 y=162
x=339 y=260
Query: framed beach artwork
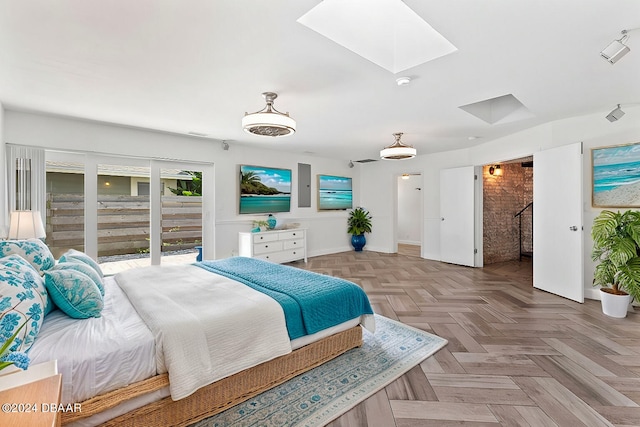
x=616 y=176
x=334 y=193
x=264 y=189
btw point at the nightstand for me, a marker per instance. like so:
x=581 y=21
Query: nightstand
x=32 y=404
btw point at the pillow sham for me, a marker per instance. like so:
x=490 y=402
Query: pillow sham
x=23 y=301
x=74 y=293
x=82 y=268
x=32 y=250
x=18 y=270
x=73 y=255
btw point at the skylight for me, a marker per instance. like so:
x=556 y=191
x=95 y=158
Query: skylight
x=386 y=32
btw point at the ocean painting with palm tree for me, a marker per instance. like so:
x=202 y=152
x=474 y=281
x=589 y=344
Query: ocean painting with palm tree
x=264 y=190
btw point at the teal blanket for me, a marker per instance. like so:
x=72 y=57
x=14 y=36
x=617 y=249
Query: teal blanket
x=311 y=301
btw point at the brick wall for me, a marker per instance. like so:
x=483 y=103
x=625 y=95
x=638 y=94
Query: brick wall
x=503 y=197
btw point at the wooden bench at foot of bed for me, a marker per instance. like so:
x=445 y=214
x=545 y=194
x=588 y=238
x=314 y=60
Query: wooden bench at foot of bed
x=221 y=395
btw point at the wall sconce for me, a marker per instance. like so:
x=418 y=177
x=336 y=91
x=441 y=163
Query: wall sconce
x=495 y=170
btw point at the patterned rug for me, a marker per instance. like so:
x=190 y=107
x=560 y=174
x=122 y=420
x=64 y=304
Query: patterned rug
x=324 y=393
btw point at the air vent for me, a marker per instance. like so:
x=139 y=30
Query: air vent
x=366 y=160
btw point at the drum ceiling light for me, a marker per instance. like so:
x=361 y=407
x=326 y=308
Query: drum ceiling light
x=398 y=150
x=269 y=121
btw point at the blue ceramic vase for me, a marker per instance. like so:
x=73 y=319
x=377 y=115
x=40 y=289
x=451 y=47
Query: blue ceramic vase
x=358 y=241
x=271 y=220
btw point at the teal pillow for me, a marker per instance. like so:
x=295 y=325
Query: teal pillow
x=74 y=293
x=32 y=250
x=73 y=255
x=23 y=301
x=82 y=268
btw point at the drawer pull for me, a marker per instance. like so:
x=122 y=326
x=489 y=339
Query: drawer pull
x=266 y=246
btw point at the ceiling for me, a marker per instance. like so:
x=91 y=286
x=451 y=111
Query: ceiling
x=199 y=65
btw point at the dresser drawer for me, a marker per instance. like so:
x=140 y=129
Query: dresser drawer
x=287 y=235
x=265 y=237
x=292 y=244
x=261 y=248
x=282 y=256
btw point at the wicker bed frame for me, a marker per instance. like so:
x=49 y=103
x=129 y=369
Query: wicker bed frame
x=221 y=395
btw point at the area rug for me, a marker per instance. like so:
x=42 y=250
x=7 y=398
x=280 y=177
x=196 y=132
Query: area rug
x=324 y=393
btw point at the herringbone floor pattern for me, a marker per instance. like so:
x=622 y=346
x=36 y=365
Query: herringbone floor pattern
x=516 y=356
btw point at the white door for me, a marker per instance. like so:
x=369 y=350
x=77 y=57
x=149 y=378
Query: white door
x=557 y=221
x=457 y=214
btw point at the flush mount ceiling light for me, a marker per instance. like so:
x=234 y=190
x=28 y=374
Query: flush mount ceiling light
x=616 y=49
x=398 y=150
x=269 y=121
x=615 y=114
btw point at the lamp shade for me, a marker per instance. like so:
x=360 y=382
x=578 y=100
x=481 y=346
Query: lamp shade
x=26 y=225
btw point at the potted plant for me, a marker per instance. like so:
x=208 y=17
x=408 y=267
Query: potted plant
x=616 y=248
x=359 y=222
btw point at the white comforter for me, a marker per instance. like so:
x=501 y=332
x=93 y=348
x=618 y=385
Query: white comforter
x=206 y=326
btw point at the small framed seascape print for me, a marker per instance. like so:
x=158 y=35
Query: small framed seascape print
x=615 y=174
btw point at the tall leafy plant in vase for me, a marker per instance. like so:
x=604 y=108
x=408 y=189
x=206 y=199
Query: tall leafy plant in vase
x=358 y=223
x=616 y=249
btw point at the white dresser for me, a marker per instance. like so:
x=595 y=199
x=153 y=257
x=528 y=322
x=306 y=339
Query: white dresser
x=277 y=246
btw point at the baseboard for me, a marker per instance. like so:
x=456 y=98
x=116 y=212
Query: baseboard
x=410 y=242
x=592 y=294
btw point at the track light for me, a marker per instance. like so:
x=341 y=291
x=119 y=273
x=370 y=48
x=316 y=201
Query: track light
x=616 y=49
x=615 y=114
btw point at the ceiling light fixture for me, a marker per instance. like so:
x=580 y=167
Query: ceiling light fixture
x=398 y=150
x=616 y=49
x=615 y=114
x=403 y=81
x=269 y=121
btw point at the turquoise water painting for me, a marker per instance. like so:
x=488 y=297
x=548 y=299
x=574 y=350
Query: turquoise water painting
x=264 y=190
x=334 y=192
x=616 y=175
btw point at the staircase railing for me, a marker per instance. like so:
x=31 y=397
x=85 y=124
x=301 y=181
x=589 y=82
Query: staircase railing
x=519 y=216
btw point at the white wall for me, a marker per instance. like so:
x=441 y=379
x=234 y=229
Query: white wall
x=593 y=130
x=327 y=230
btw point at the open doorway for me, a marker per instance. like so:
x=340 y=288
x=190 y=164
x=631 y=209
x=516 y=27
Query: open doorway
x=409 y=218
x=508 y=211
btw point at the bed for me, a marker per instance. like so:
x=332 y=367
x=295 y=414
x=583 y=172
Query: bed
x=126 y=368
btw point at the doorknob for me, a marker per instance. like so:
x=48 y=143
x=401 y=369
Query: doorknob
x=573 y=228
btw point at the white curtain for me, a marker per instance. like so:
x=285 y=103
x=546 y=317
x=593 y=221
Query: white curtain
x=26 y=179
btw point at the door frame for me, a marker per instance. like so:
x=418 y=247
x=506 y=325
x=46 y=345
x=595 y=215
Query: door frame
x=395 y=177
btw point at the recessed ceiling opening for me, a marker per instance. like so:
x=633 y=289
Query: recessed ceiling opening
x=502 y=109
x=386 y=32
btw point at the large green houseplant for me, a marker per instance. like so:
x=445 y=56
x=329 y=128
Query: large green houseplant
x=616 y=249
x=358 y=223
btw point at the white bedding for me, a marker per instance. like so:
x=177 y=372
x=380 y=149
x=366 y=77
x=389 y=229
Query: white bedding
x=206 y=326
x=97 y=355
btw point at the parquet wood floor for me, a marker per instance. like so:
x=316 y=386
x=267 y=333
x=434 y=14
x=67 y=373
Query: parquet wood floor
x=516 y=356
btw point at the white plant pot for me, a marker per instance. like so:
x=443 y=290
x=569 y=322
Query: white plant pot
x=615 y=305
